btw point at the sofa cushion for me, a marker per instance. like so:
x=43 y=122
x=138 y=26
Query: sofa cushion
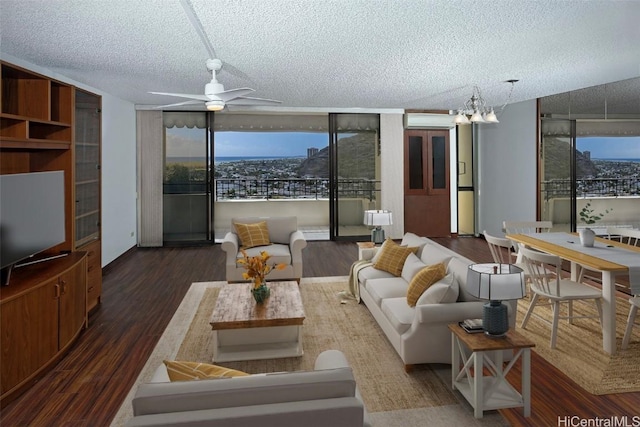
x=153 y=398
x=398 y=312
x=280 y=227
x=459 y=269
x=252 y=235
x=444 y=291
x=369 y=273
x=280 y=254
x=390 y=287
x=432 y=254
x=412 y=265
x=423 y=280
x=410 y=239
x=187 y=371
x=392 y=257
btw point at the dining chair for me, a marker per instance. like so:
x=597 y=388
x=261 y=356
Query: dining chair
x=629 y=236
x=502 y=252
x=556 y=289
x=635 y=303
x=524 y=227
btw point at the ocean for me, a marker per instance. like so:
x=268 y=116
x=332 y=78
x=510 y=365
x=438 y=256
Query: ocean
x=618 y=160
x=222 y=159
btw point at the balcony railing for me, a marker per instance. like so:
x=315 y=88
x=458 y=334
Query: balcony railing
x=596 y=187
x=289 y=188
x=293 y=188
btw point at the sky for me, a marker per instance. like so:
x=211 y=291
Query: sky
x=189 y=142
x=610 y=147
x=268 y=143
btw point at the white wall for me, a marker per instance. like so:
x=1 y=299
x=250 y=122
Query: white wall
x=118 y=177
x=392 y=171
x=118 y=165
x=507 y=168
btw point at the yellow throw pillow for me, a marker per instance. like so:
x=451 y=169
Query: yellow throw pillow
x=187 y=371
x=252 y=235
x=422 y=280
x=392 y=257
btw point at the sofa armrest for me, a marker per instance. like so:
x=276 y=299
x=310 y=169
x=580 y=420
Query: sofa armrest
x=231 y=246
x=367 y=254
x=297 y=242
x=449 y=313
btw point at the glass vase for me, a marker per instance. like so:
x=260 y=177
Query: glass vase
x=260 y=293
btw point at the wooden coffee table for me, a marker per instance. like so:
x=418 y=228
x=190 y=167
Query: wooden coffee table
x=245 y=330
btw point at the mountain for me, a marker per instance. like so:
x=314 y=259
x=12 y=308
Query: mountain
x=356 y=159
x=556 y=161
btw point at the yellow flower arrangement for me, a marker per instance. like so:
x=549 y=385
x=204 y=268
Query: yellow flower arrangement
x=257 y=267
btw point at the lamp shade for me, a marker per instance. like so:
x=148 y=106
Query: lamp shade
x=377 y=218
x=496 y=282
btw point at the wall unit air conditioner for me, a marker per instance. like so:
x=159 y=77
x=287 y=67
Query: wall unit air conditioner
x=428 y=120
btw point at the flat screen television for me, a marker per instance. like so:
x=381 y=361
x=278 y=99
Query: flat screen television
x=31 y=216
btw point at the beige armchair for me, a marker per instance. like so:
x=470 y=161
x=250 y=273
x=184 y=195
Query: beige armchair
x=286 y=244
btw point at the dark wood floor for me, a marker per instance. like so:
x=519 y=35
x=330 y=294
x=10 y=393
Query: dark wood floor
x=143 y=288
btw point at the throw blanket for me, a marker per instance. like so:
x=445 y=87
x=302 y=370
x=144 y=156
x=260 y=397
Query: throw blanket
x=354 y=289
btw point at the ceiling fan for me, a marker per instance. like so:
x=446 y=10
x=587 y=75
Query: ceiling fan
x=215 y=97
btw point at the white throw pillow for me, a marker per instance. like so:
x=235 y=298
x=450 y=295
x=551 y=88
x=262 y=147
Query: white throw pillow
x=379 y=250
x=444 y=291
x=411 y=267
x=432 y=255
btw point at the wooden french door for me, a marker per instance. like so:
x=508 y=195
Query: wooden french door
x=427 y=207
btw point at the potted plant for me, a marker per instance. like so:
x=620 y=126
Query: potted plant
x=257 y=269
x=588 y=216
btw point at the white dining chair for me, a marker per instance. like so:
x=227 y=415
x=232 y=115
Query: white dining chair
x=629 y=236
x=525 y=227
x=635 y=303
x=556 y=289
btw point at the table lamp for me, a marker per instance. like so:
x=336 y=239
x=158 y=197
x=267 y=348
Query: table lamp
x=376 y=219
x=496 y=283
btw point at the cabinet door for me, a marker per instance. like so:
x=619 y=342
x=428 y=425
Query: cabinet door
x=73 y=292
x=87 y=168
x=29 y=335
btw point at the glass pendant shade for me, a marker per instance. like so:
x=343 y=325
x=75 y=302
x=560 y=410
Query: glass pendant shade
x=476 y=117
x=490 y=117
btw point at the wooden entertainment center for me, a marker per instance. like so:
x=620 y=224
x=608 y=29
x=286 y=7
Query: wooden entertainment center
x=48 y=125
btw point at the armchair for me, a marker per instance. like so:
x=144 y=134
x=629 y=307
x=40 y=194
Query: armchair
x=286 y=247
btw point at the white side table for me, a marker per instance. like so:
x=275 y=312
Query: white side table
x=487 y=392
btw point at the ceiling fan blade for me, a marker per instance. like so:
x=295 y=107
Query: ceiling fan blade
x=179 y=103
x=184 y=95
x=230 y=94
x=248 y=100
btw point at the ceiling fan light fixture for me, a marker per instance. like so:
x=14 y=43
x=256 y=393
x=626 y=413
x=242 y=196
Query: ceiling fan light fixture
x=214 y=105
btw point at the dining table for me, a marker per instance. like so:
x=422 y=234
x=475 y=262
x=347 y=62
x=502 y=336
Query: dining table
x=609 y=257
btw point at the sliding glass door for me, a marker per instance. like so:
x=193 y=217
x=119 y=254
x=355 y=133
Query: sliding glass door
x=186 y=180
x=354 y=153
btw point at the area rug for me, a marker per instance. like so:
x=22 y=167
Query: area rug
x=392 y=396
x=579 y=353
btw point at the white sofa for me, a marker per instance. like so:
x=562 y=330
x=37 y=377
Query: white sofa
x=420 y=334
x=326 y=396
x=286 y=248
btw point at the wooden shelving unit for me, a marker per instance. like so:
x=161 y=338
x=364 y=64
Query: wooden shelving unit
x=47 y=125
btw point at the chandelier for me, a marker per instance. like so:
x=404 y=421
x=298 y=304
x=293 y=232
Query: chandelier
x=476 y=109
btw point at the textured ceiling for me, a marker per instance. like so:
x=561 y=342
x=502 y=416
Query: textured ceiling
x=417 y=54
